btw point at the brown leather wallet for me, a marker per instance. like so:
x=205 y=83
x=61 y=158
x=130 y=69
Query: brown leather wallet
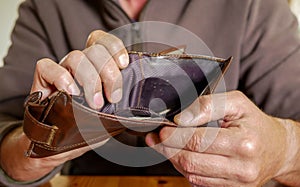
x=156 y=87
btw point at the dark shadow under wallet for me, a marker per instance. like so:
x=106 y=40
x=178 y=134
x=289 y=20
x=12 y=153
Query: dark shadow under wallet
x=156 y=87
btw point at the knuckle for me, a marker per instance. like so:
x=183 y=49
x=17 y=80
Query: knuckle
x=63 y=77
x=191 y=178
x=194 y=142
x=94 y=36
x=117 y=46
x=237 y=93
x=113 y=43
x=206 y=110
x=75 y=55
x=98 y=54
x=95 y=49
x=41 y=63
x=72 y=57
x=248 y=174
x=195 y=180
x=93 y=82
x=205 y=105
x=112 y=76
x=249 y=147
x=186 y=164
x=243 y=99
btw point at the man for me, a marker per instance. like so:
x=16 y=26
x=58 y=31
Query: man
x=250 y=149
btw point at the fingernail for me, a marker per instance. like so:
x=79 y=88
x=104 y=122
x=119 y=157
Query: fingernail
x=98 y=100
x=185 y=118
x=116 y=96
x=123 y=59
x=73 y=89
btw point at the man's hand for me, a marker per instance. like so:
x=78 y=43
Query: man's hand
x=98 y=64
x=248 y=149
x=97 y=70
x=23 y=168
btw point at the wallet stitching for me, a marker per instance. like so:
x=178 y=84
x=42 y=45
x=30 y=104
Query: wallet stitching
x=52 y=148
x=37 y=123
x=41 y=125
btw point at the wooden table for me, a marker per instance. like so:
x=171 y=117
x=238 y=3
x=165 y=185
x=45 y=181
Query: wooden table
x=117 y=181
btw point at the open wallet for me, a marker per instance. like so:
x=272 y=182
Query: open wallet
x=156 y=87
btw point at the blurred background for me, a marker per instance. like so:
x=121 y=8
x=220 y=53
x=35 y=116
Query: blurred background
x=295 y=6
x=8 y=15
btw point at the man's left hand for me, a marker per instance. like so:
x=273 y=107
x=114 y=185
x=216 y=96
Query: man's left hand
x=248 y=148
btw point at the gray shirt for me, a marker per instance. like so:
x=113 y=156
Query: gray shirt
x=261 y=35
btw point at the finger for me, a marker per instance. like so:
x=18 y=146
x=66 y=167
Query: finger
x=197 y=163
x=224 y=106
x=221 y=141
x=197 y=180
x=202 y=111
x=218 y=171
x=58 y=78
x=152 y=139
x=87 y=76
x=207 y=166
x=112 y=44
x=234 y=142
x=108 y=71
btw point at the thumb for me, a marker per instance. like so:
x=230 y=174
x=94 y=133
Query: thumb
x=203 y=110
x=223 y=106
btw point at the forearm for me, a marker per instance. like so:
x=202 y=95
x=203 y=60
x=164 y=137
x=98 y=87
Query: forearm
x=13 y=161
x=290 y=172
x=7 y=125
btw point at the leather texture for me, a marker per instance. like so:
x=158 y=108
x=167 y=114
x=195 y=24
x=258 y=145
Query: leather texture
x=156 y=87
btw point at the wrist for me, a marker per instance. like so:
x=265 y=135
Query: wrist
x=290 y=170
x=14 y=162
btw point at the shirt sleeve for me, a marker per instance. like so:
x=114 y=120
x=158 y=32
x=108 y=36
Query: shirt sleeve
x=7 y=181
x=270 y=64
x=29 y=43
x=6 y=126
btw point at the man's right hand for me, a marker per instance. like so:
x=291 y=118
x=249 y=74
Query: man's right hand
x=98 y=64
x=97 y=70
